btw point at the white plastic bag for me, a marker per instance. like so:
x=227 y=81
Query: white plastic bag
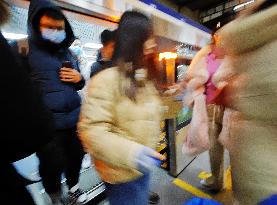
x=226 y=138
x=197 y=140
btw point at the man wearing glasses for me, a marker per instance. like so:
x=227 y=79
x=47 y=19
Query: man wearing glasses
x=56 y=72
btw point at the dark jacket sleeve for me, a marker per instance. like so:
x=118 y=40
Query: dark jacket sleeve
x=26 y=123
x=80 y=84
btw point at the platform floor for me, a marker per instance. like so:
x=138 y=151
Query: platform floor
x=172 y=191
x=176 y=191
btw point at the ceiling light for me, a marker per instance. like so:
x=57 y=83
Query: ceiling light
x=14 y=36
x=242 y=5
x=93 y=45
x=167 y=55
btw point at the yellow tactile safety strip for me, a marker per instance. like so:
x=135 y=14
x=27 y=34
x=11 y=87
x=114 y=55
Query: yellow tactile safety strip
x=204 y=175
x=187 y=187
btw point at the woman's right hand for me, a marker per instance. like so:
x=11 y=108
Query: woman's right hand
x=175 y=89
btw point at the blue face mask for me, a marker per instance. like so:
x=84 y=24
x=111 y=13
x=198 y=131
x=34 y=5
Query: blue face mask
x=53 y=35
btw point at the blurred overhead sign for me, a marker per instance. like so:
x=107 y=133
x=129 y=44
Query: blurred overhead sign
x=172 y=25
x=105 y=9
x=175 y=14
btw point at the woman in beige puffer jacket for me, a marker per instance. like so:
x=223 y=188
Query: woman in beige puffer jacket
x=251 y=45
x=120 y=122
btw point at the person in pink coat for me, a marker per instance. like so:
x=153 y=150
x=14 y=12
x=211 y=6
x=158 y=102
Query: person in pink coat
x=199 y=81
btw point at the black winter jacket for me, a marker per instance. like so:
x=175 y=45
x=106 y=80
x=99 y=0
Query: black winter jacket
x=26 y=125
x=45 y=59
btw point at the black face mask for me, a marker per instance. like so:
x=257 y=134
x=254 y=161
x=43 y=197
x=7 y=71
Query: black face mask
x=4 y=12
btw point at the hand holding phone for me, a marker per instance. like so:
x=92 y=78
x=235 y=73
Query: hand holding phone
x=67 y=64
x=68 y=74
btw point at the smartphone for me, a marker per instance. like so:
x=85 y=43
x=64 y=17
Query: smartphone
x=67 y=64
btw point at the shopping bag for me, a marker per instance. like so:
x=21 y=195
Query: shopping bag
x=197 y=139
x=201 y=201
x=225 y=138
x=190 y=95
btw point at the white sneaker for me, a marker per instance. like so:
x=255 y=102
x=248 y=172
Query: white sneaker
x=78 y=196
x=86 y=162
x=210 y=184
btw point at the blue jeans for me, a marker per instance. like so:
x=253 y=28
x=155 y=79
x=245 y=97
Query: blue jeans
x=131 y=193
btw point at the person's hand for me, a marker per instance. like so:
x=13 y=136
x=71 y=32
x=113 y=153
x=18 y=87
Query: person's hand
x=148 y=158
x=70 y=75
x=176 y=89
x=180 y=87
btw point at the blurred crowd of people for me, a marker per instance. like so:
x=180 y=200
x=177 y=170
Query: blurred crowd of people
x=230 y=85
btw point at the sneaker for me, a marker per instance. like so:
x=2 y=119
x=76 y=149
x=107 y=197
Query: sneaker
x=56 y=199
x=78 y=196
x=154 y=198
x=86 y=162
x=210 y=184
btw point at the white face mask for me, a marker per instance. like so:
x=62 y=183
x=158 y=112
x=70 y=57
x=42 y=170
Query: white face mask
x=140 y=74
x=53 y=35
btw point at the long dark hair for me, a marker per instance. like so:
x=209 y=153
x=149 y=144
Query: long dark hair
x=4 y=12
x=134 y=30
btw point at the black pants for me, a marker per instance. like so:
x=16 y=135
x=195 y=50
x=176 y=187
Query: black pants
x=12 y=187
x=63 y=154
